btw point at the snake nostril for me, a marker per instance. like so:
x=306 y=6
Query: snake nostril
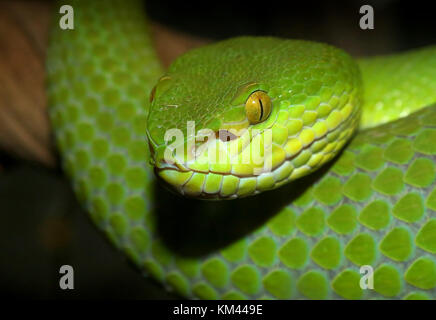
x=225 y=135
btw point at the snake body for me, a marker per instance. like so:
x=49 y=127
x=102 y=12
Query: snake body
x=371 y=204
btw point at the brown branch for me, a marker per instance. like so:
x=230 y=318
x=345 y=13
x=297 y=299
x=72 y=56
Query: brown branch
x=24 y=125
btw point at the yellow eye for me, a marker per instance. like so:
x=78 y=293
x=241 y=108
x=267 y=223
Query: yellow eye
x=258 y=107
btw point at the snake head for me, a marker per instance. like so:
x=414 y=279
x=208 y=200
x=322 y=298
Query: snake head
x=250 y=114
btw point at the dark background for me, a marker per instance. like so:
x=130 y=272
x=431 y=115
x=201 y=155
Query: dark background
x=399 y=24
x=42 y=226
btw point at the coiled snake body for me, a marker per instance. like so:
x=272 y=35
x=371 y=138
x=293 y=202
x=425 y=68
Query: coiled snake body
x=316 y=217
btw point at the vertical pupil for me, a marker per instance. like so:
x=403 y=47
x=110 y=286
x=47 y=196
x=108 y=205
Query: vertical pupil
x=261 y=109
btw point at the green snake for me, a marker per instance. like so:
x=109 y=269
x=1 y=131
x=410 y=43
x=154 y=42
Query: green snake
x=351 y=148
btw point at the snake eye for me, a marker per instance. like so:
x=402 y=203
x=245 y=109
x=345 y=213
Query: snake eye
x=258 y=107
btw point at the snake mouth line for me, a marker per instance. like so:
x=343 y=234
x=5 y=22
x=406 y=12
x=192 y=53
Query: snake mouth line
x=216 y=185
